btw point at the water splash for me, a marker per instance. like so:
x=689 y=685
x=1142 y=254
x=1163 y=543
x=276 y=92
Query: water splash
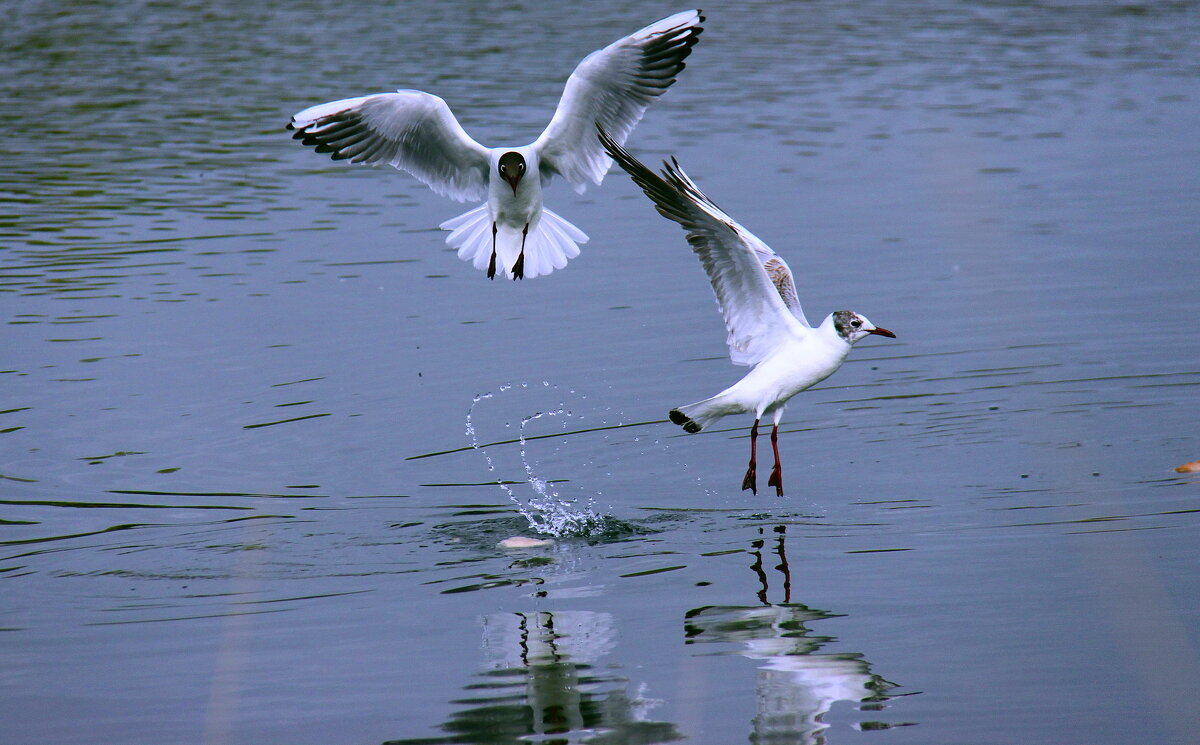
x=547 y=511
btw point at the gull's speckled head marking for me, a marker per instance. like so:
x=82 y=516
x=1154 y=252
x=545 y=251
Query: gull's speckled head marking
x=851 y=326
x=512 y=168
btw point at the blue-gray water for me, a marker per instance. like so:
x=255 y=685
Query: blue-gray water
x=223 y=355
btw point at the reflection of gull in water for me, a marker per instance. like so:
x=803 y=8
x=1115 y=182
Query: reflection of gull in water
x=795 y=687
x=541 y=686
x=521 y=639
x=793 y=692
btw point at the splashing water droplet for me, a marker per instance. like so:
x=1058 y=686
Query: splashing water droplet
x=547 y=511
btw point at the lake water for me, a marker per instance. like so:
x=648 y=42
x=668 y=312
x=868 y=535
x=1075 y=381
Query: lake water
x=254 y=411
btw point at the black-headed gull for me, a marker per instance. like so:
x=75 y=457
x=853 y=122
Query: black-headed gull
x=416 y=132
x=757 y=296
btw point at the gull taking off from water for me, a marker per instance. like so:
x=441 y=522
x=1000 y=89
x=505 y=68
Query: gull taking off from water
x=757 y=296
x=511 y=232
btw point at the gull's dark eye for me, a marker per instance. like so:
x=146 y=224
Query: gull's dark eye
x=856 y=323
x=521 y=167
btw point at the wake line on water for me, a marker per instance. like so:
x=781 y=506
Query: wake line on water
x=530 y=438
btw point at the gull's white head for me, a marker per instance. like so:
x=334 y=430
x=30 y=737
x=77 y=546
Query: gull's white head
x=852 y=326
x=512 y=168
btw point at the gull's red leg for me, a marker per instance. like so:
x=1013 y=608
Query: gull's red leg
x=519 y=267
x=750 y=481
x=776 y=479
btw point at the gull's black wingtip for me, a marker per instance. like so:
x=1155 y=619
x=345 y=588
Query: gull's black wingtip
x=610 y=145
x=683 y=420
x=602 y=133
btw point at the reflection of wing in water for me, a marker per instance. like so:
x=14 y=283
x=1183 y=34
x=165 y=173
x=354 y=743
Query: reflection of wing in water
x=795 y=686
x=542 y=684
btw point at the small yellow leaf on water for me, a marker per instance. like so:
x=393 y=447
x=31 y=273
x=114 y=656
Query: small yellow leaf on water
x=1193 y=467
x=520 y=541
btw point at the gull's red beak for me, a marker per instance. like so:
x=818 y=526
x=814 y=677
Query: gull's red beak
x=881 y=332
x=513 y=181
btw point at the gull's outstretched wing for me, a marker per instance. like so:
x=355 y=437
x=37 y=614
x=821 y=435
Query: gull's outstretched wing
x=612 y=87
x=411 y=130
x=753 y=284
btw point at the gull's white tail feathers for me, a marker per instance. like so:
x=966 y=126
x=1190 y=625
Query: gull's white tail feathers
x=697 y=416
x=550 y=244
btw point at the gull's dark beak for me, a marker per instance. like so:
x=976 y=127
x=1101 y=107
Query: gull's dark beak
x=513 y=181
x=881 y=332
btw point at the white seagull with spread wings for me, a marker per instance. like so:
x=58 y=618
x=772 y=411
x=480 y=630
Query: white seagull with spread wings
x=511 y=232
x=757 y=296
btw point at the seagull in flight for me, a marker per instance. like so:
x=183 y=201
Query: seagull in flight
x=511 y=233
x=757 y=296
